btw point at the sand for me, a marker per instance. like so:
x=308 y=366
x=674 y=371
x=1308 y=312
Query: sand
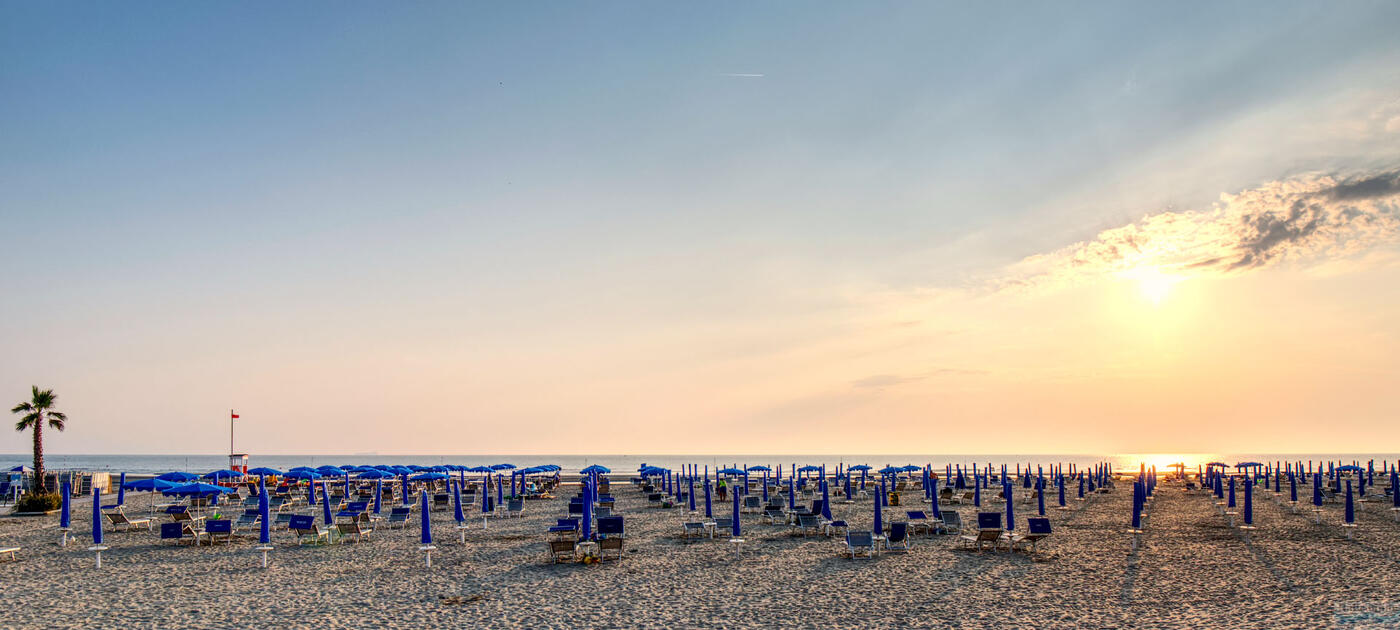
x=1191 y=571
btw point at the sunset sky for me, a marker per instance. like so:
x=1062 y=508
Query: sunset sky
x=703 y=228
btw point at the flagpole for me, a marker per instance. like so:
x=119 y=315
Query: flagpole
x=230 y=433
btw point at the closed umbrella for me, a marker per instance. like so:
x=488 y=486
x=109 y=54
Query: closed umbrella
x=587 y=530
x=378 y=493
x=826 y=500
x=426 y=534
x=879 y=513
x=1040 y=496
x=403 y=487
x=97 y=545
x=264 y=528
x=1010 y=514
x=458 y=514
x=709 y=512
x=326 y=505
x=792 y=493
x=691 y=480
x=736 y=528
x=121 y=490
x=65 y=516
x=1249 y=503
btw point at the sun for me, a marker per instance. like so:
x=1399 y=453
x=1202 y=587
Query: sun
x=1153 y=285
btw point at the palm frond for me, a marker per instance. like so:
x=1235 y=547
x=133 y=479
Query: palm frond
x=22 y=408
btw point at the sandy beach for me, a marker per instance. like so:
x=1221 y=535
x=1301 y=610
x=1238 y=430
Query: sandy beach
x=1190 y=570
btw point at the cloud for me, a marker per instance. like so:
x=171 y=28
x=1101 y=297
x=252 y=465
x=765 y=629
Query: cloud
x=889 y=380
x=1312 y=219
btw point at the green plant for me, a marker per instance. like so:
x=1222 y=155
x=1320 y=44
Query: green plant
x=38 y=412
x=33 y=502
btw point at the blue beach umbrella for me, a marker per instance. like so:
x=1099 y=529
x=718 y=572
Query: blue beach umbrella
x=1351 y=508
x=691 y=480
x=65 y=515
x=426 y=534
x=1317 y=489
x=263 y=471
x=378 y=493
x=121 y=490
x=1062 y=490
x=1010 y=514
x=848 y=484
x=587 y=531
x=485 y=501
x=178 y=477
x=736 y=528
x=709 y=512
x=792 y=493
x=1137 y=505
x=1292 y=487
x=264 y=515
x=1231 y=501
x=977 y=494
x=326 y=505
x=879 y=513
x=826 y=501
x=1081 y=485
x=457 y=513
x=97 y=519
x=403 y=487
x=1249 y=503
x=1040 y=496
x=150 y=485
x=219 y=475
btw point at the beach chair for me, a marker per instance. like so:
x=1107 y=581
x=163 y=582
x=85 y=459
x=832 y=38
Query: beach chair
x=307 y=530
x=611 y=527
x=831 y=527
x=220 y=529
x=122 y=522
x=606 y=501
x=752 y=504
x=355 y=528
x=610 y=548
x=185 y=518
x=723 y=523
x=1038 y=528
x=398 y=517
x=920 y=522
x=696 y=529
x=601 y=512
x=898 y=540
x=10 y=551
x=515 y=507
x=179 y=532
x=564 y=528
x=562 y=550
x=806 y=522
x=989 y=531
x=282 y=518
x=952 y=523
x=441 y=502
x=773 y=514
x=248 y=518
x=856 y=541
x=655 y=499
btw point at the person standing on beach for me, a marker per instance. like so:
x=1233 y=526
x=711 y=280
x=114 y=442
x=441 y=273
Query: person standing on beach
x=719 y=486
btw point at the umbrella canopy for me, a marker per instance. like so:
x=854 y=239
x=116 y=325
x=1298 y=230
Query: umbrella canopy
x=709 y=511
x=197 y=489
x=1249 y=465
x=858 y=467
x=264 y=470
x=809 y=468
x=328 y=471
x=303 y=474
x=759 y=469
x=879 y=513
x=1350 y=468
x=374 y=473
x=503 y=467
x=222 y=474
x=150 y=485
x=180 y=477
x=730 y=471
x=428 y=476
x=480 y=469
x=21 y=469
x=594 y=469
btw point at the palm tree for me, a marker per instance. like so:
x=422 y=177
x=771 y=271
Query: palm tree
x=36 y=412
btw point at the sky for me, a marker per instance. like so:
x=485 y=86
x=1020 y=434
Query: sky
x=454 y=228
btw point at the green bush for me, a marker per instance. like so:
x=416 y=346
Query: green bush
x=38 y=503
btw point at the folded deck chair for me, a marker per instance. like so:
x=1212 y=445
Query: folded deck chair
x=178 y=532
x=696 y=529
x=248 y=518
x=952 y=523
x=856 y=541
x=773 y=514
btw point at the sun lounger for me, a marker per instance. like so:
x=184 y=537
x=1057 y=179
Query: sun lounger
x=355 y=528
x=655 y=499
x=752 y=504
x=723 y=524
x=898 y=540
x=10 y=551
x=124 y=523
x=989 y=531
x=562 y=550
x=856 y=541
x=952 y=523
x=832 y=526
x=398 y=517
x=248 y=518
x=610 y=549
x=515 y=507
x=217 y=530
x=611 y=527
x=920 y=522
x=1038 y=528
x=179 y=532
x=806 y=522
x=696 y=529
x=307 y=530
x=773 y=514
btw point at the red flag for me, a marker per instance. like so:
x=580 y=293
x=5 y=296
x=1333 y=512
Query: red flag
x=233 y=415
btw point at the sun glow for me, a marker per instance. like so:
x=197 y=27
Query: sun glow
x=1153 y=285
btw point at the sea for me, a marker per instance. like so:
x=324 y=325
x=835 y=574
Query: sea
x=621 y=464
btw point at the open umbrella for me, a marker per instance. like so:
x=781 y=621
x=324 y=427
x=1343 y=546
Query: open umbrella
x=222 y=474
x=263 y=471
x=150 y=485
x=179 y=477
